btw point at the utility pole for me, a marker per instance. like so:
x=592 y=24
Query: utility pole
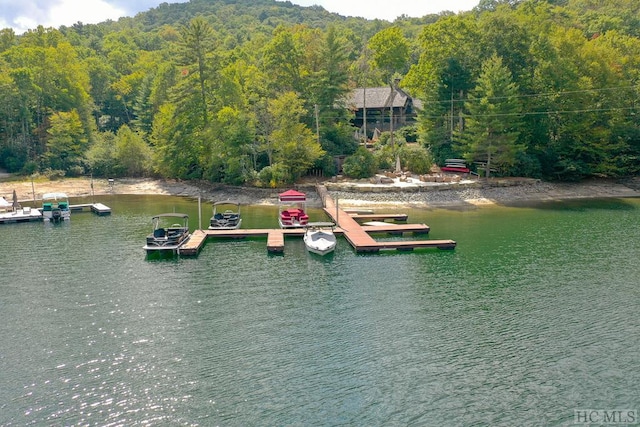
x=364 y=92
x=392 y=97
x=317 y=123
x=364 y=110
x=451 y=136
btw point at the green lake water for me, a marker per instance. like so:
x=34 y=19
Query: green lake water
x=534 y=315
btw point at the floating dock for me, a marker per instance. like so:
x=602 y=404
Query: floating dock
x=20 y=215
x=97 y=208
x=379 y=217
x=27 y=214
x=356 y=234
x=275 y=238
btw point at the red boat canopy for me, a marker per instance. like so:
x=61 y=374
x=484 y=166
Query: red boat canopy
x=292 y=196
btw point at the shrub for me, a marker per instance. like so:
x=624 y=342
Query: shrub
x=53 y=174
x=361 y=164
x=385 y=158
x=273 y=176
x=75 y=171
x=416 y=159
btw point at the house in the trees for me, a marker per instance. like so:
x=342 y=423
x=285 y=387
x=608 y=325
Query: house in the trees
x=385 y=109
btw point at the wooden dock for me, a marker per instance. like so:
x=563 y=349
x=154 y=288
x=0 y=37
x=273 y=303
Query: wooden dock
x=97 y=208
x=356 y=234
x=20 y=215
x=194 y=244
x=397 y=228
x=275 y=241
x=379 y=217
x=35 y=214
x=275 y=238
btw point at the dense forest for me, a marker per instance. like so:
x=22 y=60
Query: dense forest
x=253 y=91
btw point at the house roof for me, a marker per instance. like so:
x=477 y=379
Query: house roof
x=377 y=97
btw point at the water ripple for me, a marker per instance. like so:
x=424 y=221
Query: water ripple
x=532 y=316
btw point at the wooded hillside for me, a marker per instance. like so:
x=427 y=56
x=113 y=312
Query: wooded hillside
x=252 y=91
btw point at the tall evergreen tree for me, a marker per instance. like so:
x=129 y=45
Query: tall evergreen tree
x=492 y=119
x=196 y=46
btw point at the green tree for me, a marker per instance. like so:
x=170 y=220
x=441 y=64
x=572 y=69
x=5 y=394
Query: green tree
x=331 y=86
x=196 y=47
x=178 y=147
x=292 y=142
x=573 y=72
x=390 y=51
x=101 y=157
x=449 y=61
x=132 y=154
x=492 y=120
x=283 y=59
x=228 y=156
x=7 y=39
x=66 y=142
x=49 y=78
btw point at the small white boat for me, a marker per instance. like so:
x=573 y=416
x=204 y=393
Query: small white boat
x=168 y=235
x=319 y=238
x=55 y=207
x=228 y=218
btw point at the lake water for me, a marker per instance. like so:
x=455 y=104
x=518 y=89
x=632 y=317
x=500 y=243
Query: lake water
x=534 y=315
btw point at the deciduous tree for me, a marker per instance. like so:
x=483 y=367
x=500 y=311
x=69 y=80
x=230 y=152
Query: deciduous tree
x=292 y=142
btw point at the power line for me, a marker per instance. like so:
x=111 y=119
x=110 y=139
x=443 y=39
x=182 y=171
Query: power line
x=544 y=94
x=539 y=113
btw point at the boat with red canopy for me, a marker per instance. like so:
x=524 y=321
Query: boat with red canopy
x=291 y=213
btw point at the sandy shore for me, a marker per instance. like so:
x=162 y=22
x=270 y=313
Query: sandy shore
x=349 y=194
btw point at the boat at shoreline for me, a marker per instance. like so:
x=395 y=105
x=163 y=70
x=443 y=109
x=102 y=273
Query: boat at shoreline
x=168 y=234
x=291 y=211
x=55 y=207
x=227 y=219
x=319 y=237
x=455 y=165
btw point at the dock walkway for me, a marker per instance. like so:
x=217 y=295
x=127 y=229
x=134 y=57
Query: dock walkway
x=358 y=235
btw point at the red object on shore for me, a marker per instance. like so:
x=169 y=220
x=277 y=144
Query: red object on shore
x=454 y=169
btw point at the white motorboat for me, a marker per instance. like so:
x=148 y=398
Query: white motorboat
x=319 y=237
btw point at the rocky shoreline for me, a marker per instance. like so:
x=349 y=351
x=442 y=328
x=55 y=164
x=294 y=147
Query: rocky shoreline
x=348 y=193
x=502 y=192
